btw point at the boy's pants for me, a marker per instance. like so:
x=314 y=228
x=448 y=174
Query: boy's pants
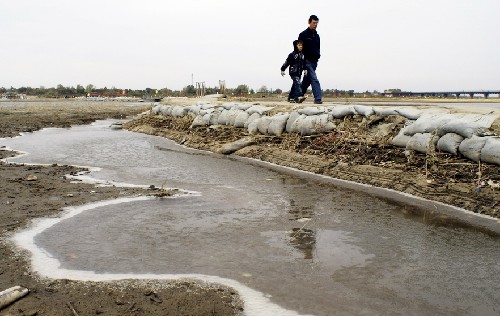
x=296 y=90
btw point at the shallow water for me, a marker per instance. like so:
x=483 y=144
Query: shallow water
x=312 y=248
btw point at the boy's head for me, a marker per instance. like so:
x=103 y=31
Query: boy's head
x=297 y=45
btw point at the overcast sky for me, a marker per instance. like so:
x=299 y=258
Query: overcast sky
x=365 y=44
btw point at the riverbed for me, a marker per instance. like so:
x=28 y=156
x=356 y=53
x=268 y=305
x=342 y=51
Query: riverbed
x=306 y=247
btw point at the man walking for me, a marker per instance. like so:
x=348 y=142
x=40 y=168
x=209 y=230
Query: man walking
x=311 y=43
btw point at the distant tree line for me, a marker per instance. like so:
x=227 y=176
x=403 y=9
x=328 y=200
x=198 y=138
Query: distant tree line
x=189 y=91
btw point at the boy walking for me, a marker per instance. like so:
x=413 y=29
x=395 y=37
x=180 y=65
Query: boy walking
x=295 y=61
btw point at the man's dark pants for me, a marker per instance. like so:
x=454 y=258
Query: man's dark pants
x=312 y=79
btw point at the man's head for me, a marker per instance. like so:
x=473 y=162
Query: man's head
x=313 y=22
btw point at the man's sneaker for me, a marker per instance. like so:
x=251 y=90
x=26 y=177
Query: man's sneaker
x=318 y=102
x=301 y=99
x=292 y=101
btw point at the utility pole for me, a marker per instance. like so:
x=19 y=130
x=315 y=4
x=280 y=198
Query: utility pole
x=192 y=82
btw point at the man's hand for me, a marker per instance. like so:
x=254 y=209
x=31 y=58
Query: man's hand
x=282 y=73
x=305 y=72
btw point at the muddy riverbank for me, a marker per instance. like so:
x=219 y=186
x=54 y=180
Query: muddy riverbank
x=30 y=192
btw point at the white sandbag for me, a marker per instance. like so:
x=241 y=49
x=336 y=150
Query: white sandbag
x=471 y=147
x=422 y=143
x=193 y=109
x=312 y=110
x=263 y=124
x=253 y=127
x=228 y=105
x=205 y=106
x=313 y=124
x=197 y=121
x=293 y=116
x=296 y=123
x=166 y=110
x=156 y=109
x=449 y=143
x=364 y=110
x=428 y=123
x=241 y=119
x=466 y=124
x=491 y=150
x=179 y=111
x=223 y=117
x=230 y=148
x=252 y=118
x=409 y=112
x=342 y=111
x=214 y=117
x=400 y=140
x=385 y=111
x=278 y=124
x=231 y=116
x=243 y=106
x=258 y=109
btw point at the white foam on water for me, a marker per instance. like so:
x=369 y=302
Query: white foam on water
x=255 y=302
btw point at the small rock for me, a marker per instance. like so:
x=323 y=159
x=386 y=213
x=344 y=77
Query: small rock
x=31 y=177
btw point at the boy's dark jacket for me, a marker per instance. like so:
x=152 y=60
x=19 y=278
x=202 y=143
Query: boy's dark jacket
x=296 y=62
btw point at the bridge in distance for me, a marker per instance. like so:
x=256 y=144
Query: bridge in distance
x=443 y=94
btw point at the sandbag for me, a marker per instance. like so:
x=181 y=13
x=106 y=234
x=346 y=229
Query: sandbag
x=253 y=127
x=179 y=111
x=263 y=124
x=312 y=110
x=201 y=120
x=214 y=117
x=228 y=105
x=449 y=143
x=314 y=124
x=471 y=147
x=252 y=118
x=429 y=122
x=243 y=106
x=423 y=143
x=278 y=124
x=466 y=124
x=156 y=109
x=231 y=116
x=293 y=116
x=223 y=117
x=258 y=109
x=166 y=110
x=296 y=123
x=236 y=145
x=342 y=111
x=364 y=110
x=409 y=112
x=193 y=109
x=400 y=140
x=241 y=119
x=385 y=111
x=491 y=150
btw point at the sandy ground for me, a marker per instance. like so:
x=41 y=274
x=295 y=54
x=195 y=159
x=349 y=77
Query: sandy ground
x=351 y=153
x=28 y=192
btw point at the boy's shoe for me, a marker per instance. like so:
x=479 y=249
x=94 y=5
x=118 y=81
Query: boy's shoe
x=292 y=101
x=301 y=99
x=318 y=102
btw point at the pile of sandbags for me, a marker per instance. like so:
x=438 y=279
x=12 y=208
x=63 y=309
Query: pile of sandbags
x=471 y=135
